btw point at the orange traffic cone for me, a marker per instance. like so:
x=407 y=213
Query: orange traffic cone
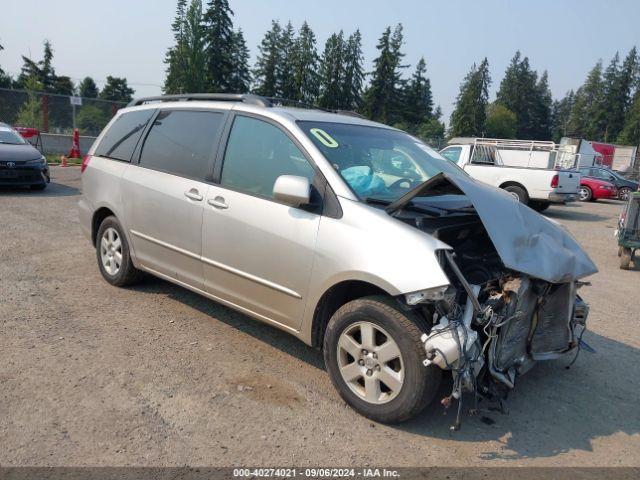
x=63 y=161
x=75 y=148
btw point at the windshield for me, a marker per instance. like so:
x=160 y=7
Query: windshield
x=377 y=163
x=9 y=136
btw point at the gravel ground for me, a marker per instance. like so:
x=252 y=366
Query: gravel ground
x=156 y=375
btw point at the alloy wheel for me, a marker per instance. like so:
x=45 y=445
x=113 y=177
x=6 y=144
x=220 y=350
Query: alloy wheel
x=583 y=194
x=111 y=251
x=370 y=362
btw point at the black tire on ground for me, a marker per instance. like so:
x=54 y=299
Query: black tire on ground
x=623 y=193
x=127 y=274
x=585 y=194
x=39 y=186
x=625 y=258
x=420 y=383
x=539 y=206
x=521 y=193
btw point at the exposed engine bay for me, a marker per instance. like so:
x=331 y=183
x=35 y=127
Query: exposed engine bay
x=492 y=323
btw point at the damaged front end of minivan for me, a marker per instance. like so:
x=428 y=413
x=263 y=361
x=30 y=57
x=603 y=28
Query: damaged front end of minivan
x=514 y=277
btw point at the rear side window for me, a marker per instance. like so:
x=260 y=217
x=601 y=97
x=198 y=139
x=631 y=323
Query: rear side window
x=181 y=142
x=257 y=154
x=122 y=137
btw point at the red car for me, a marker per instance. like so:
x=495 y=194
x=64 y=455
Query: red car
x=591 y=189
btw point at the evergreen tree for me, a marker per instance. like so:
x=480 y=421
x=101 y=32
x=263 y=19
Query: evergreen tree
x=588 y=115
x=268 y=61
x=307 y=79
x=42 y=71
x=353 y=74
x=418 y=101
x=175 y=58
x=469 y=116
x=219 y=45
x=195 y=61
x=285 y=68
x=88 y=88
x=332 y=72
x=116 y=90
x=541 y=114
x=186 y=71
x=630 y=135
x=240 y=80
x=5 y=79
x=560 y=113
x=520 y=92
x=382 y=98
x=618 y=83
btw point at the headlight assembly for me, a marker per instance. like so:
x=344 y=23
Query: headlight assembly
x=428 y=295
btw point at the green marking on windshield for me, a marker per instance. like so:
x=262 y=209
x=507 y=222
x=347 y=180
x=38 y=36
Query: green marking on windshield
x=326 y=139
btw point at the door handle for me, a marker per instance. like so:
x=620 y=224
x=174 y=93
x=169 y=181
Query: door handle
x=218 y=202
x=193 y=194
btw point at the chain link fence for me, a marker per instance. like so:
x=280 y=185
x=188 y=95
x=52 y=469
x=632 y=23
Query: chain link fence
x=54 y=113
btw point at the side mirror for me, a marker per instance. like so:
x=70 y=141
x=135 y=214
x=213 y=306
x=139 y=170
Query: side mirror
x=292 y=190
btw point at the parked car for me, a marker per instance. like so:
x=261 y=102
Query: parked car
x=313 y=223
x=592 y=189
x=536 y=187
x=20 y=163
x=623 y=185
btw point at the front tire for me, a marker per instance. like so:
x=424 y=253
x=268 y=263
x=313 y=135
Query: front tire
x=113 y=254
x=625 y=258
x=623 y=193
x=374 y=356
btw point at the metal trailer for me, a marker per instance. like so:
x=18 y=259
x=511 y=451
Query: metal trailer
x=629 y=231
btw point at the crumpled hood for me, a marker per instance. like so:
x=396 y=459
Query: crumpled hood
x=526 y=241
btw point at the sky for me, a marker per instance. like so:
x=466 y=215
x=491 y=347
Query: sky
x=130 y=37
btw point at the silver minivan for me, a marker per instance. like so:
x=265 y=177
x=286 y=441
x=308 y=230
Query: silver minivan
x=355 y=237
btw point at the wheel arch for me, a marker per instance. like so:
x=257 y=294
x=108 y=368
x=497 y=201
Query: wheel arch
x=98 y=216
x=513 y=183
x=335 y=297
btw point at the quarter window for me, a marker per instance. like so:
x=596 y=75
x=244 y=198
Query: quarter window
x=181 y=142
x=122 y=137
x=257 y=154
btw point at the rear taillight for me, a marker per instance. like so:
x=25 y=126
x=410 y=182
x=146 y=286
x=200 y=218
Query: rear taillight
x=555 y=180
x=85 y=163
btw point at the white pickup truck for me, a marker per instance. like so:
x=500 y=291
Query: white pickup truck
x=536 y=187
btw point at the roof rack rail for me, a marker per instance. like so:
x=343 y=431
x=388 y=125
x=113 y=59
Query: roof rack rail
x=283 y=102
x=219 y=97
x=349 y=113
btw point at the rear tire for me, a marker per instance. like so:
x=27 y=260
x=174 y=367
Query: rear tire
x=39 y=186
x=585 y=194
x=113 y=254
x=357 y=346
x=625 y=258
x=519 y=193
x=539 y=206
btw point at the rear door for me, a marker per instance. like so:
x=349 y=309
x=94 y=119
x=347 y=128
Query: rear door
x=257 y=252
x=163 y=195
